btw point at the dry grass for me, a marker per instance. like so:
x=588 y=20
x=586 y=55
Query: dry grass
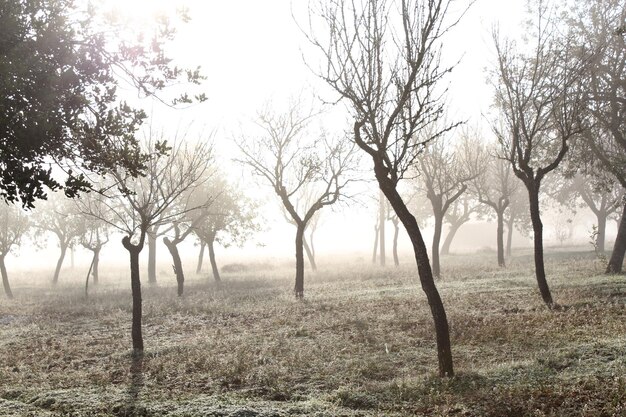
x=360 y=344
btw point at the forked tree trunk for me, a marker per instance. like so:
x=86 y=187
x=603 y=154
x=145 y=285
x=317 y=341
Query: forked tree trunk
x=601 y=236
x=619 y=249
x=172 y=247
x=500 y=237
x=135 y=284
x=57 y=270
x=5 y=278
x=309 y=254
x=396 y=230
x=435 y=249
x=533 y=194
x=216 y=272
x=299 y=287
x=152 y=245
x=444 y=352
x=200 y=257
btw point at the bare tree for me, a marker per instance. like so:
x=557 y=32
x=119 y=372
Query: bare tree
x=291 y=159
x=59 y=216
x=141 y=202
x=598 y=25
x=444 y=176
x=13 y=225
x=459 y=213
x=230 y=219
x=540 y=104
x=494 y=188
x=382 y=58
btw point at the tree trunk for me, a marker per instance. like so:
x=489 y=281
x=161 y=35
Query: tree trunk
x=299 y=287
x=135 y=284
x=309 y=254
x=396 y=230
x=381 y=228
x=500 y=237
x=436 y=240
x=216 y=271
x=5 y=279
x=375 y=251
x=509 y=236
x=57 y=270
x=454 y=227
x=619 y=249
x=200 y=257
x=96 y=262
x=152 y=244
x=444 y=352
x=172 y=246
x=533 y=195
x=601 y=236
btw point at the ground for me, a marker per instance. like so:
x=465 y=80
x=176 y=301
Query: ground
x=360 y=344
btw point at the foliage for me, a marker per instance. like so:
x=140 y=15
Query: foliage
x=60 y=66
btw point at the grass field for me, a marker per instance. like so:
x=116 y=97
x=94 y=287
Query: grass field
x=361 y=343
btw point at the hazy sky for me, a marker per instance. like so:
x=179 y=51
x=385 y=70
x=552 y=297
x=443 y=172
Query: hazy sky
x=251 y=52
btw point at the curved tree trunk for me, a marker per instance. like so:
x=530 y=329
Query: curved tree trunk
x=533 y=194
x=309 y=254
x=509 y=235
x=500 y=237
x=435 y=249
x=57 y=270
x=396 y=230
x=152 y=244
x=214 y=268
x=444 y=352
x=96 y=263
x=135 y=284
x=172 y=247
x=200 y=257
x=454 y=227
x=619 y=249
x=299 y=287
x=5 y=278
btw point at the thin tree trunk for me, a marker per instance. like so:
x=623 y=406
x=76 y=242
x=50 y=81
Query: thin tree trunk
x=619 y=249
x=57 y=270
x=299 y=287
x=375 y=251
x=96 y=262
x=454 y=227
x=200 y=257
x=135 y=284
x=444 y=352
x=5 y=278
x=396 y=230
x=436 y=240
x=500 y=237
x=172 y=247
x=152 y=244
x=509 y=236
x=309 y=254
x=216 y=271
x=601 y=236
x=381 y=228
x=533 y=194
